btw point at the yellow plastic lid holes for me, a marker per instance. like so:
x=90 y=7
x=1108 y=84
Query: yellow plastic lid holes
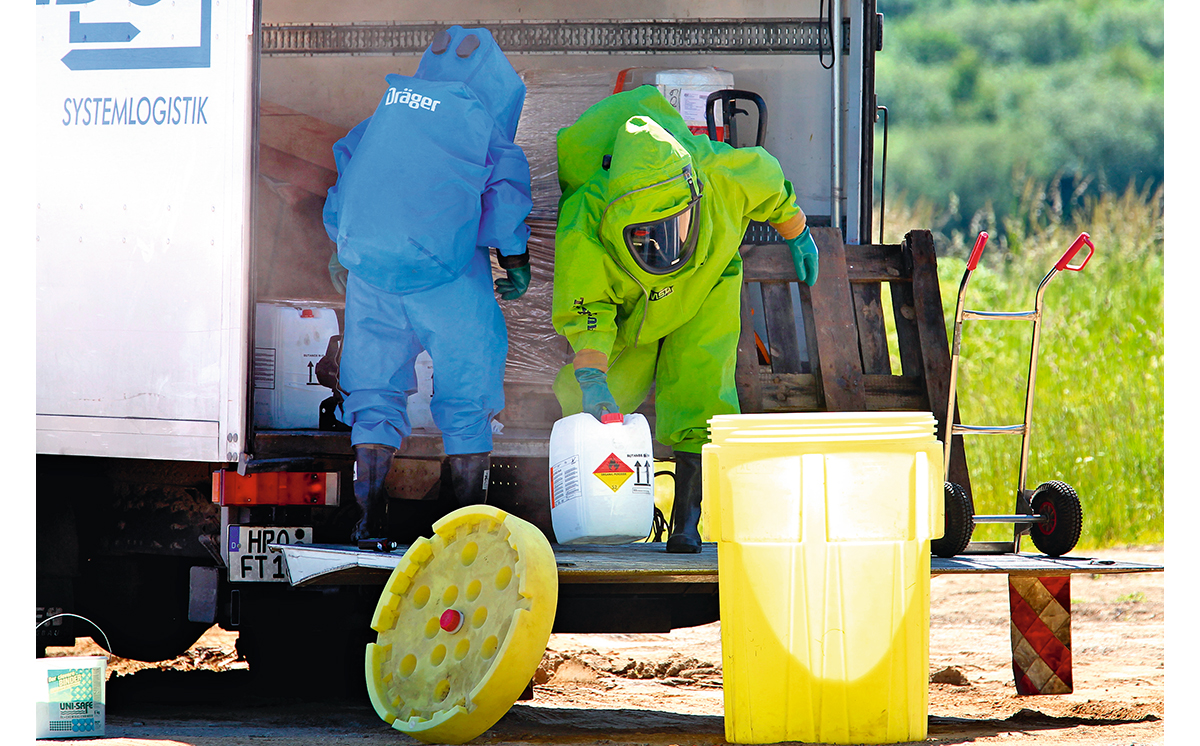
x=462 y=625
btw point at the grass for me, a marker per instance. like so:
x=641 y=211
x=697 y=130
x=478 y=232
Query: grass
x=1098 y=400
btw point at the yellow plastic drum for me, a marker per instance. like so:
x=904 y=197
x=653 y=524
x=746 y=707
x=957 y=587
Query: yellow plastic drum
x=463 y=623
x=823 y=523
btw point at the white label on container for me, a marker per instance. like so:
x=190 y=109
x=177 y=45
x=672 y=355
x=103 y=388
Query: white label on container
x=564 y=481
x=309 y=365
x=75 y=702
x=264 y=367
x=643 y=473
x=692 y=105
x=613 y=472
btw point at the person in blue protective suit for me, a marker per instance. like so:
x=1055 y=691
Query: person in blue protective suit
x=425 y=186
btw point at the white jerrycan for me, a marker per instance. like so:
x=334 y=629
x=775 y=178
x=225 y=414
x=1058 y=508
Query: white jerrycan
x=601 y=479
x=289 y=341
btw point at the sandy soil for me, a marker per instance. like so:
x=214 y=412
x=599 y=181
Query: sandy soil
x=663 y=690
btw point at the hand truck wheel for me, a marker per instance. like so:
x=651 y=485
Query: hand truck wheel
x=960 y=522
x=1058 y=503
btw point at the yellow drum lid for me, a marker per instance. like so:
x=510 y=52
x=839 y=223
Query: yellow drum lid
x=462 y=625
x=822 y=427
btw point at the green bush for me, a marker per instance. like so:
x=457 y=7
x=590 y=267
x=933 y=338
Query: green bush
x=932 y=46
x=983 y=94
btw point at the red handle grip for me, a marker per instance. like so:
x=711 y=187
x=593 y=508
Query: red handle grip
x=977 y=251
x=1064 y=261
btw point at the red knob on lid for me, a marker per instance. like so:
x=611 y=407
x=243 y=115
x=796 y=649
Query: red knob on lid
x=612 y=417
x=451 y=620
x=306 y=313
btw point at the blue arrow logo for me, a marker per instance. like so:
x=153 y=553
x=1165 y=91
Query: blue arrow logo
x=100 y=32
x=135 y=59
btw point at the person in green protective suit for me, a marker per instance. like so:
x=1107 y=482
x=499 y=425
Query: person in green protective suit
x=647 y=275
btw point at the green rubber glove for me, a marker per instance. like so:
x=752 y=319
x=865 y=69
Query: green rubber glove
x=515 y=285
x=337 y=274
x=804 y=257
x=517 y=282
x=597 y=399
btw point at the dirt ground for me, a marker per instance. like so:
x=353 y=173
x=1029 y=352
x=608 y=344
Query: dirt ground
x=665 y=689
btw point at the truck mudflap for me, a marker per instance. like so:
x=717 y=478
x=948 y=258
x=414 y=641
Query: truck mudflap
x=649 y=564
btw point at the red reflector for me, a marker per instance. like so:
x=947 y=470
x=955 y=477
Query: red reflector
x=272 y=488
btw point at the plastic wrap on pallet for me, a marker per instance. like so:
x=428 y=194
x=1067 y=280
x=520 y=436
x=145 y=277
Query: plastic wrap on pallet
x=295 y=168
x=293 y=250
x=535 y=351
x=553 y=99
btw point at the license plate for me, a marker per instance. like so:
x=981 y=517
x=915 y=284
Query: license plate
x=249 y=559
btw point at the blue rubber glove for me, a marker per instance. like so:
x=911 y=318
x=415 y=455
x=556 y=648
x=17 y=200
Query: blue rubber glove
x=597 y=399
x=517 y=282
x=804 y=257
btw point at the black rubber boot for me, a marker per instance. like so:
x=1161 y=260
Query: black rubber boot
x=372 y=462
x=470 y=474
x=684 y=537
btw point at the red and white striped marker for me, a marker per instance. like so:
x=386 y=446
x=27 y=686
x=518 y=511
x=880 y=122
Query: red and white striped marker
x=1040 y=614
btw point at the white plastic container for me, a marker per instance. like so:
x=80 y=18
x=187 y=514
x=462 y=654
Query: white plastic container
x=70 y=696
x=289 y=341
x=601 y=479
x=686 y=88
x=419 y=414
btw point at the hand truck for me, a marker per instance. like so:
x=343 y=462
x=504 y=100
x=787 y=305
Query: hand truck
x=1051 y=515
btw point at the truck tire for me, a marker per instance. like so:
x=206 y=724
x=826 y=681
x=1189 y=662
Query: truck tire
x=141 y=603
x=312 y=639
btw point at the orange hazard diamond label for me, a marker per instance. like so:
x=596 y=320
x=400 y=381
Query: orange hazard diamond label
x=613 y=472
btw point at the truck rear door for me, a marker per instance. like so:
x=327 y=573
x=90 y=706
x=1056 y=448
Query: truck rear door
x=143 y=160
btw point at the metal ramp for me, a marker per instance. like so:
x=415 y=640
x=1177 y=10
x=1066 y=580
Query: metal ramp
x=648 y=563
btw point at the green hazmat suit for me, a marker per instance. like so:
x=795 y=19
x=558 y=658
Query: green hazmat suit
x=677 y=332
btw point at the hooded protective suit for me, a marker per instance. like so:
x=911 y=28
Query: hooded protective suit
x=676 y=330
x=425 y=186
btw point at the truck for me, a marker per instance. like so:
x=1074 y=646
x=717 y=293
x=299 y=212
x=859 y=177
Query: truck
x=184 y=300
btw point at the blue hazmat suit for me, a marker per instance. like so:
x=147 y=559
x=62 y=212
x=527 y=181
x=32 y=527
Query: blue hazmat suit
x=425 y=185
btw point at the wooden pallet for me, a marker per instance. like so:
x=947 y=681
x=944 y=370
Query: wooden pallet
x=843 y=363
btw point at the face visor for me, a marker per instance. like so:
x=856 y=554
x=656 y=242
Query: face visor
x=663 y=246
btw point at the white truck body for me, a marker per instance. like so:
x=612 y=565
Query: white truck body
x=142 y=225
